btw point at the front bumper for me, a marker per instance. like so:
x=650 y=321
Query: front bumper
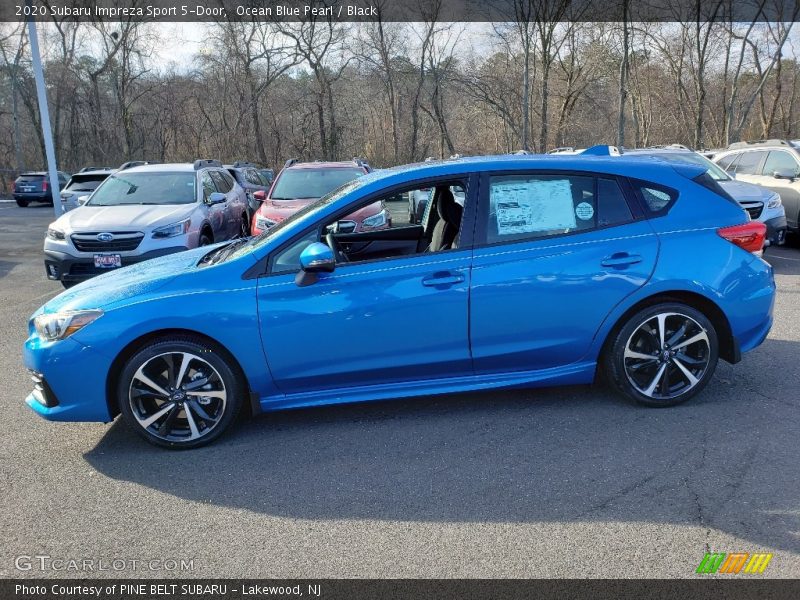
x=61 y=266
x=69 y=380
x=776 y=230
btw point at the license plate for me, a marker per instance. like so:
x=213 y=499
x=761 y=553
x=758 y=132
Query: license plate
x=107 y=261
x=27 y=189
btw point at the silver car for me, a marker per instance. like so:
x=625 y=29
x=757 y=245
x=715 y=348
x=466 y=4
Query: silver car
x=142 y=212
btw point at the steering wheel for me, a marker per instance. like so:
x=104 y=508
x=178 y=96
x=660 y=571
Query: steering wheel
x=333 y=244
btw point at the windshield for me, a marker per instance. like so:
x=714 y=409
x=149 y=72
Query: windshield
x=693 y=158
x=311 y=183
x=307 y=214
x=145 y=188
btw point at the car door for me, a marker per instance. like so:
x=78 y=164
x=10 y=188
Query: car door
x=215 y=212
x=555 y=253
x=370 y=322
x=788 y=189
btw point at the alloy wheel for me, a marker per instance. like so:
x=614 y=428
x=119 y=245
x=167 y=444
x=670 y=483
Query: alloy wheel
x=667 y=356
x=177 y=397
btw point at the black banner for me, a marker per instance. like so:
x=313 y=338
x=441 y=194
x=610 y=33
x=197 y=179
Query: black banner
x=399 y=589
x=400 y=10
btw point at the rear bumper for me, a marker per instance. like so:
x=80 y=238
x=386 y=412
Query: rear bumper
x=61 y=266
x=34 y=196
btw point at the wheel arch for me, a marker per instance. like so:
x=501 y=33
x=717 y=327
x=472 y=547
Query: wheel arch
x=728 y=347
x=140 y=342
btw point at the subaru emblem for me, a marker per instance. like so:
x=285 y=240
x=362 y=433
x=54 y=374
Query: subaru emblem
x=105 y=237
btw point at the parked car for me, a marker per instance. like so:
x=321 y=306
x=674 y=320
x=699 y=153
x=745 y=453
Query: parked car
x=33 y=186
x=81 y=184
x=142 y=212
x=556 y=268
x=250 y=179
x=267 y=174
x=760 y=203
x=300 y=184
x=773 y=164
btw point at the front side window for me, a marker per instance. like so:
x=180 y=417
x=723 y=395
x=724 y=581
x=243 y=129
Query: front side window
x=208 y=186
x=529 y=207
x=726 y=162
x=145 y=188
x=220 y=182
x=748 y=163
x=780 y=160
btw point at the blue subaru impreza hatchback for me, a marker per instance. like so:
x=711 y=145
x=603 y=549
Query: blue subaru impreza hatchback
x=525 y=271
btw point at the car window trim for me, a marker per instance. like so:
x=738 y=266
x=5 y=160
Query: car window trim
x=263 y=267
x=480 y=237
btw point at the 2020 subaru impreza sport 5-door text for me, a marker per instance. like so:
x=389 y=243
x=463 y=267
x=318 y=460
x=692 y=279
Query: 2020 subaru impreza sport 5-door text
x=555 y=269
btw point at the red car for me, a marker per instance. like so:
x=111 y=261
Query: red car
x=299 y=184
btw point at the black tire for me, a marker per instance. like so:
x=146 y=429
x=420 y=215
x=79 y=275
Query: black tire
x=188 y=419
x=205 y=239
x=21 y=203
x=69 y=284
x=679 y=368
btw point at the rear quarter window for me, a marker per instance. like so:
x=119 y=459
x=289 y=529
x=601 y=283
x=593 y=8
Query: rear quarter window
x=657 y=199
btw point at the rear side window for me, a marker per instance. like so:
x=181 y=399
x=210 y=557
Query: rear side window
x=748 y=163
x=657 y=198
x=529 y=207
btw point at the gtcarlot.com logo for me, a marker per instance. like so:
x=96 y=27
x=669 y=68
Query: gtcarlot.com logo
x=45 y=562
x=734 y=562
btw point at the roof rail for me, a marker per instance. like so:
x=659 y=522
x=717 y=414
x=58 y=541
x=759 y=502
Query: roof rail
x=87 y=169
x=243 y=163
x=137 y=163
x=561 y=149
x=757 y=143
x=289 y=163
x=203 y=163
x=668 y=147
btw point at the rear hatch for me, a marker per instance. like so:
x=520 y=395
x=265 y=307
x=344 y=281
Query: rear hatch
x=29 y=183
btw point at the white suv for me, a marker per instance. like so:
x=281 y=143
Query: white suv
x=774 y=164
x=143 y=212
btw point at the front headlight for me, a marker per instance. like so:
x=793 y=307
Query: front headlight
x=60 y=325
x=168 y=231
x=55 y=234
x=378 y=220
x=774 y=201
x=263 y=222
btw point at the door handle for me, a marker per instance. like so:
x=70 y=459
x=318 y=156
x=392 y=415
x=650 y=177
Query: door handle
x=442 y=279
x=621 y=259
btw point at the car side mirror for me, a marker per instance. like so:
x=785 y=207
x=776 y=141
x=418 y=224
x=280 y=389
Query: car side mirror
x=83 y=200
x=216 y=198
x=784 y=174
x=315 y=258
x=260 y=195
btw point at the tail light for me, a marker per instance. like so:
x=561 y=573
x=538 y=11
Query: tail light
x=44 y=185
x=748 y=236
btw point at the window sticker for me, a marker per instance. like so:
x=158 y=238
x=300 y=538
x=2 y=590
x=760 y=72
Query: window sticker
x=530 y=206
x=584 y=211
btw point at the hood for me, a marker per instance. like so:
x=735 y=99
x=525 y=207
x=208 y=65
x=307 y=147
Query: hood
x=278 y=210
x=123 y=217
x=118 y=286
x=746 y=192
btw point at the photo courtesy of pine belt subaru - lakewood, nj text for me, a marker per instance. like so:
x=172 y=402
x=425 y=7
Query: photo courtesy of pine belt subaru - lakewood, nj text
x=556 y=269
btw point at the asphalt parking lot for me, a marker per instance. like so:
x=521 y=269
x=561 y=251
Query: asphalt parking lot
x=569 y=482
